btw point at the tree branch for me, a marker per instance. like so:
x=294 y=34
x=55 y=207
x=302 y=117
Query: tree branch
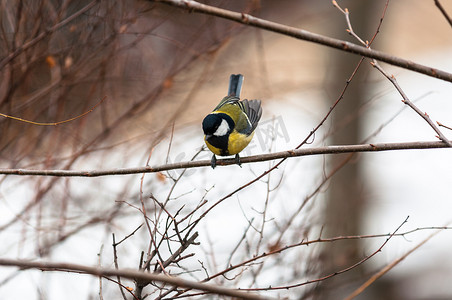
x=131 y=274
x=230 y=161
x=305 y=35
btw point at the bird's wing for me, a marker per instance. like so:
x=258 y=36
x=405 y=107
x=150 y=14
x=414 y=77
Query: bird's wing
x=253 y=110
x=227 y=100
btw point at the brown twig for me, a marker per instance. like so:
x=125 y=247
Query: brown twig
x=442 y=125
x=115 y=260
x=55 y=123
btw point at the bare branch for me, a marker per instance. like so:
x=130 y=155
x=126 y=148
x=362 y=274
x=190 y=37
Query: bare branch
x=230 y=161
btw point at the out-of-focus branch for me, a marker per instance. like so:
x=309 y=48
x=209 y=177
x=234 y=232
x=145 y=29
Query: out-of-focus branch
x=301 y=34
x=224 y=162
x=127 y=273
x=55 y=123
x=44 y=34
x=443 y=11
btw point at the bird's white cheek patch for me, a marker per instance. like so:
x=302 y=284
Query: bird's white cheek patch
x=222 y=129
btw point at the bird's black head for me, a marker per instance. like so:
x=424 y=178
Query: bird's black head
x=211 y=123
x=218 y=124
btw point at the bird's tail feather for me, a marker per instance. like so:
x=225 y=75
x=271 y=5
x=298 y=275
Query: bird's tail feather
x=235 y=85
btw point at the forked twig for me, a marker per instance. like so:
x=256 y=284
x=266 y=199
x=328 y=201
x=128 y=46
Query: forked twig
x=408 y=102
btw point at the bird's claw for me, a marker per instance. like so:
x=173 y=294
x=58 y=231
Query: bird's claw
x=237 y=160
x=213 y=162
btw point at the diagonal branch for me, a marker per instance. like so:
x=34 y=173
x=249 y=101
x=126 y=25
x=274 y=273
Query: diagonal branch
x=444 y=12
x=305 y=35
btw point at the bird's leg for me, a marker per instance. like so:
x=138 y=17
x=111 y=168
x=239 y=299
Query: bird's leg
x=237 y=160
x=213 y=162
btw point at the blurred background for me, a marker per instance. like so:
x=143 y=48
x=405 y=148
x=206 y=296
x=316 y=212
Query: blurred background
x=159 y=70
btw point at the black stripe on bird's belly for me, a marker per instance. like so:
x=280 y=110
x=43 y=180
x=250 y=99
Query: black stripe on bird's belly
x=220 y=142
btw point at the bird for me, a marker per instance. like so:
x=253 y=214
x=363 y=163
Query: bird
x=230 y=127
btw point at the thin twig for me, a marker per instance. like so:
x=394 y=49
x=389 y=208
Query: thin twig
x=442 y=125
x=115 y=261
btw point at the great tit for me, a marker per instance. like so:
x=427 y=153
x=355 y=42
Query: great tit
x=230 y=127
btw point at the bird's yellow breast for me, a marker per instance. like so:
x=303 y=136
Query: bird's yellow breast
x=238 y=141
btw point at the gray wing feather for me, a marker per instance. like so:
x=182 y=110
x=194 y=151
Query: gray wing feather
x=253 y=110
